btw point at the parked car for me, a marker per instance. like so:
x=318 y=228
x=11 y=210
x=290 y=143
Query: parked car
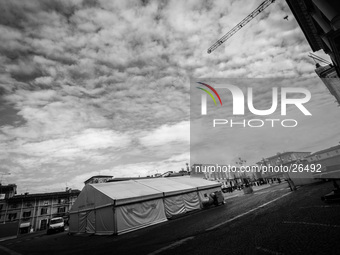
x=56 y=225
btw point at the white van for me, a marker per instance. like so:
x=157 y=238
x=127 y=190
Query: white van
x=56 y=224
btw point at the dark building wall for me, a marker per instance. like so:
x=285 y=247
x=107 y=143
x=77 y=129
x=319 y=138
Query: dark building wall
x=320 y=23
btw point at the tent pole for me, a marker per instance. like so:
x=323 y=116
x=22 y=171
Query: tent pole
x=115 y=231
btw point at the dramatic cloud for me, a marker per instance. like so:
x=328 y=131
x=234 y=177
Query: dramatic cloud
x=103 y=86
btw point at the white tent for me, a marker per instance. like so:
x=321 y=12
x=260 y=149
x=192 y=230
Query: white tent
x=119 y=207
x=178 y=198
x=204 y=187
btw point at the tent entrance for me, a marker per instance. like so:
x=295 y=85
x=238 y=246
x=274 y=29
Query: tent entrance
x=87 y=222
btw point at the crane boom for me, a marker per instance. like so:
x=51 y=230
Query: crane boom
x=252 y=15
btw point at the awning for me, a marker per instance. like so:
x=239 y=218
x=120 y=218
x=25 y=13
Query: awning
x=25 y=225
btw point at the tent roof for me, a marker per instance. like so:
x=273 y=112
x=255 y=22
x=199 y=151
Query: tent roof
x=167 y=186
x=127 y=191
x=132 y=191
x=197 y=182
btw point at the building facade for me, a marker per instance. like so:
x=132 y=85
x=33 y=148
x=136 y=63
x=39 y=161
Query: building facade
x=32 y=212
x=330 y=78
x=288 y=159
x=98 y=179
x=7 y=191
x=326 y=157
x=320 y=23
x=329 y=162
x=227 y=175
x=284 y=158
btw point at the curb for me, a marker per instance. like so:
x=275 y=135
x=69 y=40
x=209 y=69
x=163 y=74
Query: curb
x=7 y=238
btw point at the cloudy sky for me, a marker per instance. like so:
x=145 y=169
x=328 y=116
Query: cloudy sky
x=103 y=87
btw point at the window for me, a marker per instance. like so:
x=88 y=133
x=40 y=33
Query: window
x=61 y=201
x=61 y=209
x=29 y=204
x=1 y=206
x=43 y=211
x=26 y=214
x=12 y=216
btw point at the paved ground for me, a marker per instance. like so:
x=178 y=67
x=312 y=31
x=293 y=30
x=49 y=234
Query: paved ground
x=270 y=221
x=298 y=223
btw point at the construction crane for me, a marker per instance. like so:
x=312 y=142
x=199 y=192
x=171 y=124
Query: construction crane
x=245 y=21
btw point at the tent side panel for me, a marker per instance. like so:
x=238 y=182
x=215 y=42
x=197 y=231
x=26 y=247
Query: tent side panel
x=191 y=201
x=82 y=222
x=104 y=221
x=89 y=198
x=134 y=216
x=174 y=206
x=73 y=223
x=90 y=222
